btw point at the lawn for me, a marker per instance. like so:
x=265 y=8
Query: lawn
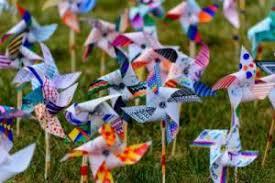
x=189 y=164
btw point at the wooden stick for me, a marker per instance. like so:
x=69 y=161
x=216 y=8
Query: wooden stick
x=236 y=175
x=47 y=156
x=19 y=104
x=103 y=64
x=72 y=46
x=84 y=170
x=163 y=151
x=269 y=140
x=14 y=17
x=236 y=38
x=125 y=129
x=262 y=3
x=192 y=49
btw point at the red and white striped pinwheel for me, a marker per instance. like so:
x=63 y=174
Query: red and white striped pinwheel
x=106 y=152
x=241 y=85
x=102 y=36
x=69 y=9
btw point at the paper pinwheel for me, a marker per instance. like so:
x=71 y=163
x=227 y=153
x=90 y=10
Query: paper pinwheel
x=162 y=103
x=106 y=152
x=241 y=85
x=4 y=6
x=11 y=165
x=29 y=30
x=225 y=151
x=230 y=12
x=122 y=81
x=140 y=15
x=190 y=15
x=263 y=31
x=95 y=113
x=102 y=36
x=68 y=10
x=187 y=72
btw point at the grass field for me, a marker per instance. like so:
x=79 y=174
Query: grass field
x=189 y=164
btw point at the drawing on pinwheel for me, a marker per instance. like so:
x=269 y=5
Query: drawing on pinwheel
x=262 y=32
x=95 y=113
x=69 y=9
x=123 y=82
x=190 y=15
x=107 y=152
x=241 y=85
x=225 y=151
x=187 y=72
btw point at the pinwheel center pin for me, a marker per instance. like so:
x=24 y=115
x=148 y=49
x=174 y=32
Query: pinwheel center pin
x=162 y=105
x=104 y=34
x=143 y=46
x=121 y=85
x=106 y=152
x=157 y=60
x=223 y=148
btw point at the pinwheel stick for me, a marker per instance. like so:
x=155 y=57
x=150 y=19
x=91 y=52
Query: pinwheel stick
x=262 y=2
x=236 y=39
x=103 y=64
x=192 y=49
x=19 y=104
x=47 y=156
x=84 y=170
x=14 y=18
x=236 y=175
x=163 y=151
x=72 y=47
x=269 y=140
x=125 y=129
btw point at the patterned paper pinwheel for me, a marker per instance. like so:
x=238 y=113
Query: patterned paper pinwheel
x=102 y=36
x=190 y=15
x=262 y=32
x=140 y=15
x=95 y=113
x=187 y=72
x=162 y=103
x=122 y=81
x=225 y=151
x=11 y=165
x=241 y=85
x=106 y=152
x=69 y=9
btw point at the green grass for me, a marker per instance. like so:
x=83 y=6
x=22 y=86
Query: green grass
x=189 y=164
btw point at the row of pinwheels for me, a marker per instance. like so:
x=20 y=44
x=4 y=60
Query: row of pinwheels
x=173 y=79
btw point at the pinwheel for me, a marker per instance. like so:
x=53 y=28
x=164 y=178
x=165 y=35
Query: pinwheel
x=190 y=14
x=187 y=72
x=262 y=32
x=140 y=14
x=225 y=151
x=11 y=165
x=106 y=152
x=95 y=113
x=241 y=85
x=68 y=10
x=4 y=6
x=102 y=36
x=162 y=103
x=122 y=81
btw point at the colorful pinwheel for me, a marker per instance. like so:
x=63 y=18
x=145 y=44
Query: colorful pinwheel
x=241 y=85
x=68 y=10
x=187 y=72
x=225 y=151
x=102 y=36
x=106 y=152
x=95 y=113
x=262 y=32
x=190 y=15
x=140 y=15
x=122 y=81
x=230 y=11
